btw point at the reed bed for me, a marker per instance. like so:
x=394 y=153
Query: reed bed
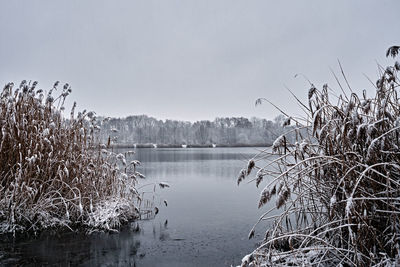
x=53 y=172
x=337 y=187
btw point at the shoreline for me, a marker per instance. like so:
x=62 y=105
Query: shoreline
x=186 y=146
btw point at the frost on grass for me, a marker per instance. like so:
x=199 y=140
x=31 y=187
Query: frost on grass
x=53 y=171
x=337 y=187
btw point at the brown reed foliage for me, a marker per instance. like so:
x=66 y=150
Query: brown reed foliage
x=52 y=171
x=338 y=184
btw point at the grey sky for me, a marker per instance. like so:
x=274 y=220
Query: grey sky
x=193 y=59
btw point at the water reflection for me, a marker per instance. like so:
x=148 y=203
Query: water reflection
x=72 y=249
x=218 y=163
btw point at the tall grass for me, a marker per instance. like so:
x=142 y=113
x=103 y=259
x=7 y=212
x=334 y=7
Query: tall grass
x=338 y=185
x=53 y=173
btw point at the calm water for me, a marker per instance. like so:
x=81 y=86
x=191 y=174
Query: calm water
x=206 y=222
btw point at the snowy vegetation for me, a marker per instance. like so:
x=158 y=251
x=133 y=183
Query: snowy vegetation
x=338 y=186
x=53 y=172
x=142 y=129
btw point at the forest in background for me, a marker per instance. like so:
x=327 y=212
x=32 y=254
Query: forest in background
x=142 y=129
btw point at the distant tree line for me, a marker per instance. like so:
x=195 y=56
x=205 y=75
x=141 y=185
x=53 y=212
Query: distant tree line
x=142 y=129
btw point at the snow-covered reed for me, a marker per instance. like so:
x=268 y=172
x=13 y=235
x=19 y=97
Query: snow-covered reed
x=53 y=173
x=338 y=185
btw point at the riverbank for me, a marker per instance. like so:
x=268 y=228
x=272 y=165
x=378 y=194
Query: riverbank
x=187 y=146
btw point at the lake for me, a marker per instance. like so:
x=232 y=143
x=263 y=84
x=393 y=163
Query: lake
x=206 y=222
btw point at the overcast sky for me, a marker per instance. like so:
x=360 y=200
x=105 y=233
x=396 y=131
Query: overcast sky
x=193 y=60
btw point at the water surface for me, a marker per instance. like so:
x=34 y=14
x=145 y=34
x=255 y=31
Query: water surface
x=206 y=222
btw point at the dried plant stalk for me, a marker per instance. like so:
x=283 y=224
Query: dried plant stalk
x=52 y=170
x=338 y=184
